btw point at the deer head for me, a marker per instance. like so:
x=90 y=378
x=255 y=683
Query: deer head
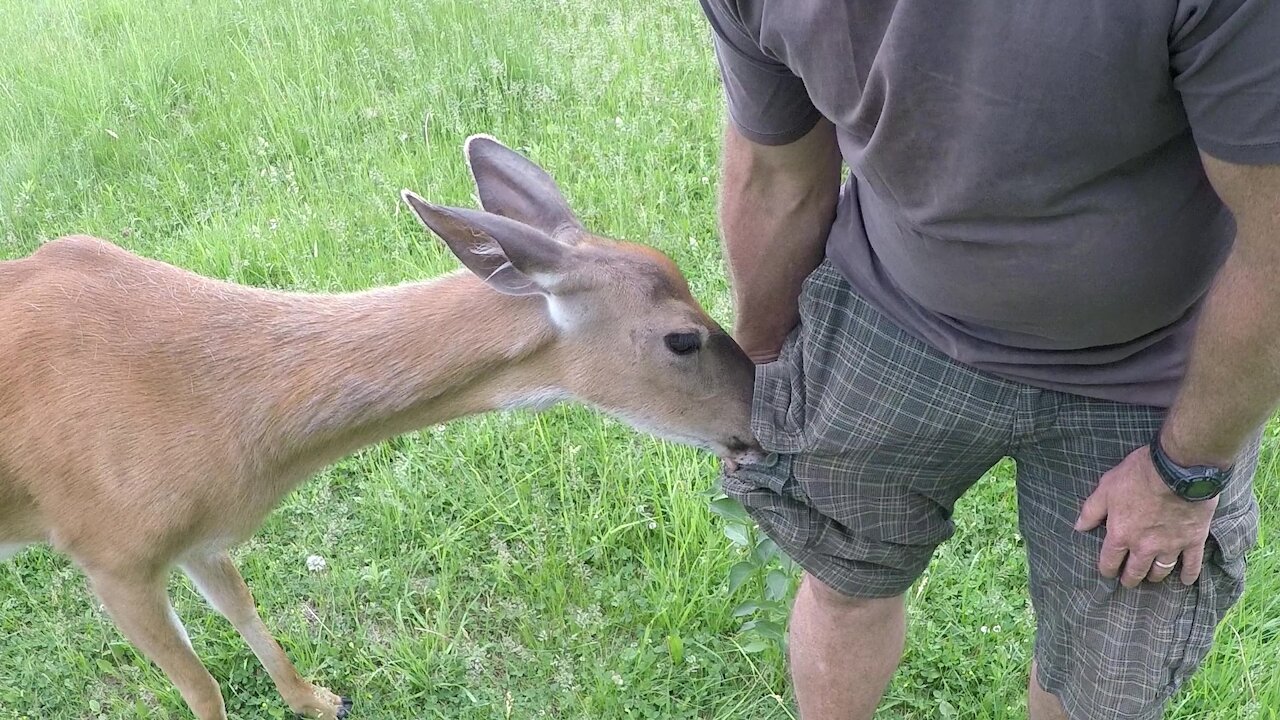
x=630 y=339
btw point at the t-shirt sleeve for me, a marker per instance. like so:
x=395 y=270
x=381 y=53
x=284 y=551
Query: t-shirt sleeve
x=1225 y=59
x=766 y=101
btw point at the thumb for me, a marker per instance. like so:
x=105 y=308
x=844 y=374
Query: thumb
x=1093 y=512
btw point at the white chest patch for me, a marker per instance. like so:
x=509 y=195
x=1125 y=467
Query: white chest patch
x=535 y=400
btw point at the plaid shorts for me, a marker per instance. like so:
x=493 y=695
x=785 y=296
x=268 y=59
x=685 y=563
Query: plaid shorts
x=874 y=435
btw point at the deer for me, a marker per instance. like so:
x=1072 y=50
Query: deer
x=151 y=418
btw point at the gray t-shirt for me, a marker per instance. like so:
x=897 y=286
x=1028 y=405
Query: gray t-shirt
x=1025 y=189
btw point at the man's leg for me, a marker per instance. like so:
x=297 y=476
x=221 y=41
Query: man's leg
x=1103 y=650
x=843 y=651
x=1042 y=704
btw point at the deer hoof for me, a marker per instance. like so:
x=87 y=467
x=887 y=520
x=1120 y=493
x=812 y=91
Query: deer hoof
x=344 y=710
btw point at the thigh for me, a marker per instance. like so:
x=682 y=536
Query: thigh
x=874 y=435
x=1103 y=649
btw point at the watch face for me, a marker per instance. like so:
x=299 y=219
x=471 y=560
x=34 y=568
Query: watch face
x=1200 y=489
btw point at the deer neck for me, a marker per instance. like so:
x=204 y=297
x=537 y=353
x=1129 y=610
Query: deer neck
x=369 y=366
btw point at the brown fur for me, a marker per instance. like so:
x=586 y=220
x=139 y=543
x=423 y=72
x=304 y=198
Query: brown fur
x=151 y=417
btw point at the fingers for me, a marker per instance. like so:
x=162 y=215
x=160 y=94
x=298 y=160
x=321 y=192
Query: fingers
x=1139 y=565
x=1112 y=557
x=1093 y=512
x=1192 y=559
x=1161 y=567
x=1148 y=565
x=1153 y=567
x=1136 y=568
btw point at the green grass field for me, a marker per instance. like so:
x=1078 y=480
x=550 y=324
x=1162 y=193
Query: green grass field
x=509 y=566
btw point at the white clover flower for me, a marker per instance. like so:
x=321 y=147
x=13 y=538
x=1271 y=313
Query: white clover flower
x=316 y=564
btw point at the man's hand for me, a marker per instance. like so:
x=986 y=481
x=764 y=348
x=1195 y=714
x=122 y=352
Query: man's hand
x=1231 y=387
x=1148 y=526
x=777 y=203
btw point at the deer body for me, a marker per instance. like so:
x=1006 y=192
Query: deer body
x=267 y=386
x=151 y=417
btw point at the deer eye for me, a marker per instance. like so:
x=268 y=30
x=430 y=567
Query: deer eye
x=682 y=343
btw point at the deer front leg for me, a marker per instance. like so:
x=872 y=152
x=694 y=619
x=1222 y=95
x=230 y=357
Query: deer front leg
x=220 y=582
x=140 y=608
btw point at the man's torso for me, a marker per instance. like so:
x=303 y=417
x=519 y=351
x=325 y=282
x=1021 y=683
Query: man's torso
x=1025 y=191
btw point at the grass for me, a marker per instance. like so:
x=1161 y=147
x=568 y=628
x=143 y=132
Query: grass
x=509 y=566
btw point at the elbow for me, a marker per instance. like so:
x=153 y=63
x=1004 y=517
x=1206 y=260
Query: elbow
x=805 y=172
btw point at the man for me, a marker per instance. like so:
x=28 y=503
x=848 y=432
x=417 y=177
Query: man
x=1059 y=241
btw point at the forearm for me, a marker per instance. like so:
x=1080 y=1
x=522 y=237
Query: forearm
x=1233 y=380
x=776 y=209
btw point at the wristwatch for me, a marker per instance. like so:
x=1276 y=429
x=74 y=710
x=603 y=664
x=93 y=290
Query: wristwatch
x=1194 y=483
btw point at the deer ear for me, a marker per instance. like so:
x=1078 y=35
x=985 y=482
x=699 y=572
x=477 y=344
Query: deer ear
x=511 y=185
x=510 y=256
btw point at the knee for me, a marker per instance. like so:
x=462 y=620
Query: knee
x=828 y=600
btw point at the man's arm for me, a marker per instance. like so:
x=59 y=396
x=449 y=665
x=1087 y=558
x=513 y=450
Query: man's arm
x=1233 y=382
x=1231 y=387
x=777 y=204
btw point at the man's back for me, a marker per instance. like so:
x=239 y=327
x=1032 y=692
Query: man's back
x=1026 y=192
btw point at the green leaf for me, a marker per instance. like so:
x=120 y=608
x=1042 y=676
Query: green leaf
x=789 y=566
x=712 y=492
x=746 y=608
x=730 y=509
x=675 y=647
x=766 y=550
x=740 y=573
x=755 y=646
x=769 y=629
x=776 y=585
x=737 y=534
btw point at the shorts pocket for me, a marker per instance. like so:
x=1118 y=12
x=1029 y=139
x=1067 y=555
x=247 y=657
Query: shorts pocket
x=769 y=492
x=1221 y=584
x=777 y=406
x=1231 y=537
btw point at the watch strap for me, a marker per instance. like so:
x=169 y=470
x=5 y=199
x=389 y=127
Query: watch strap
x=1181 y=479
